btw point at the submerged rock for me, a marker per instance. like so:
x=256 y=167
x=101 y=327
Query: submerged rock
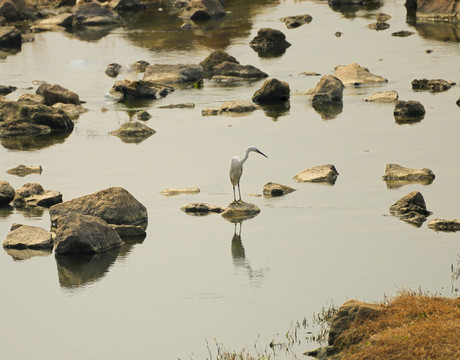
x=384 y=97
x=133 y=131
x=125 y=90
x=79 y=234
x=269 y=42
x=411 y=208
x=447 y=225
x=235 y=70
x=272 y=91
x=143 y=115
x=296 y=20
x=23 y=170
x=274 y=189
x=6 y=193
x=322 y=173
x=201 y=209
x=240 y=210
x=178 y=106
x=173 y=74
x=173 y=192
x=328 y=90
x=33 y=194
x=237 y=106
x=28 y=237
x=435 y=85
x=114 y=205
x=379 y=26
x=356 y=75
x=402 y=33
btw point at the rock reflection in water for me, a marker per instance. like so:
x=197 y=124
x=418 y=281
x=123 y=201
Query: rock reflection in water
x=31 y=143
x=328 y=111
x=396 y=184
x=351 y=10
x=90 y=33
x=83 y=269
x=437 y=30
x=276 y=111
x=239 y=257
x=6 y=211
x=25 y=254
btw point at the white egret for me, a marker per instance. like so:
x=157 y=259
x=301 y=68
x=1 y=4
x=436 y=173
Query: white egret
x=236 y=169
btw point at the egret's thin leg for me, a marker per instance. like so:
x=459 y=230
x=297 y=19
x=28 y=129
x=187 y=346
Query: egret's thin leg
x=234 y=196
x=239 y=192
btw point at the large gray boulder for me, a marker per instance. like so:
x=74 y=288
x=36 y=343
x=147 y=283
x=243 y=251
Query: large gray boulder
x=269 y=42
x=411 y=208
x=53 y=93
x=446 y=10
x=10 y=37
x=79 y=234
x=272 y=91
x=114 y=205
x=355 y=74
x=24 y=118
x=6 y=193
x=173 y=74
x=328 y=90
x=322 y=173
x=94 y=14
x=28 y=237
x=33 y=194
x=203 y=10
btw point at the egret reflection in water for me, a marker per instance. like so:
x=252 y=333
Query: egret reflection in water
x=239 y=258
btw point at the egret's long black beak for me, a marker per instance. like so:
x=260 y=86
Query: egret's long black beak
x=261 y=153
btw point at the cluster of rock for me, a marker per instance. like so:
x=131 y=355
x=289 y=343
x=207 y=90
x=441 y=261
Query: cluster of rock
x=89 y=224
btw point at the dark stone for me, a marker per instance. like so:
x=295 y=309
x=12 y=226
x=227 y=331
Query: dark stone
x=269 y=42
x=6 y=193
x=5 y=90
x=113 y=70
x=296 y=21
x=435 y=85
x=217 y=57
x=232 y=69
x=411 y=110
x=10 y=37
x=272 y=91
x=328 y=90
x=53 y=94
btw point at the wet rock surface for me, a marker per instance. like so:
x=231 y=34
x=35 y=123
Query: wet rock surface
x=240 y=210
x=173 y=74
x=237 y=71
x=33 y=194
x=126 y=90
x=79 y=234
x=355 y=74
x=114 y=205
x=434 y=85
x=215 y=58
x=273 y=189
x=272 y=91
x=269 y=42
x=28 y=237
x=411 y=208
x=176 y=191
x=322 y=173
x=7 y=193
x=397 y=172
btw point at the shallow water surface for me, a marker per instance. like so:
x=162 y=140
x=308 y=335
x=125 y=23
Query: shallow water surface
x=199 y=279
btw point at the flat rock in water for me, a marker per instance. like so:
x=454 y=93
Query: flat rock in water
x=240 y=210
x=296 y=20
x=173 y=74
x=384 y=97
x=33 y=194
x=79 y=234
x=238 y=106
x=402 y=33
x=201 y=209
x=133 y=132
x=114 y=205
x=411 y=208
x=354 y=74
x=323 y=173
x=28 y=237
x=178 y=106
x=94 y=14
x=173 y=192
x=235 y=70
x=398 y=172
x=274 y=189
x=7 y=193
x=434 y=85
x=447 y=225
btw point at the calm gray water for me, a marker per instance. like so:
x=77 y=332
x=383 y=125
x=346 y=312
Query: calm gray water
x=192 y=280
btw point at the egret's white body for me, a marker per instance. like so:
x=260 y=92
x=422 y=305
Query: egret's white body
x=236 y=169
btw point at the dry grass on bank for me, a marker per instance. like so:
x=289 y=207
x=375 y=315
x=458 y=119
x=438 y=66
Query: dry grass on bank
x=411 y=326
